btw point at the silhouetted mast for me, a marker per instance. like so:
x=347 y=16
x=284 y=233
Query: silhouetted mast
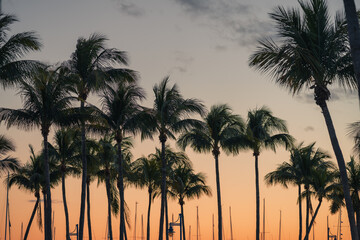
x=231 y=230
x=280 y=227
x=142 y=227
x=197 y=223
x=136 y=203
x=264 y=221
x=7 y=204
x=189 y=232
x=213 y=227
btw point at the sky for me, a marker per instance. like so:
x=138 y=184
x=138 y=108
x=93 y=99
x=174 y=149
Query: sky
x=204 y=46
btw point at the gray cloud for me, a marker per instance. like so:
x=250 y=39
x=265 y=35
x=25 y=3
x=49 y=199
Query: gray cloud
x=231 y=19
x=337 y=94
x=182 y=61
x=129 y=8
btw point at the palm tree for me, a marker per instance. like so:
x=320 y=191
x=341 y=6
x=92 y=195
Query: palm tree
x=213 y=133
x=262 y=131
x=7 y=162
x=46 y=98
x=313 y=53
x=90 y=67
x=354 y=36
x=121 y=116
x=304 y=160
x=65 y=151
x=31 y=177
x=323 y=186
x=170 y=115
x=107 y=173
x=146 y=171
x=12 y=49
x=184 y=183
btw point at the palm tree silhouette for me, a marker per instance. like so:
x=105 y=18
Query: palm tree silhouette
x=90 y=67
x=45 y=102
x=313 y=53
x=120 y=116
x=185 y=183
x=31 y=177
x=170 y=115
x=262 y=131
x=304 y=160
x=66 y=151
x=7 y=163
x=12 y=49
x=218 y=126
x=146 y=171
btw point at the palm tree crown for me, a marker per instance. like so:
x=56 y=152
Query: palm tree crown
x=7 y=162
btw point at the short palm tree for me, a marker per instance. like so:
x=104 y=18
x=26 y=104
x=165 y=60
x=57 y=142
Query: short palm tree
x=12 y=49
x=121 y=116
x=45 y=101
x=91 y=65
x=65 y=150
x=354 y=131
x=304 y=160
x=146 y=172
x=107 y=173
x=312 y=52
x=262 y=131
x=7 y=162
x=212 y=134
x=184 y=184
x=170 y=115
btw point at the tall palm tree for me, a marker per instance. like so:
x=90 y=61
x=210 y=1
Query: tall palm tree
x=313 y=52
x=90 y=67
x=65 y=150
x=262 y=131
x=354 y=36
x=185 y=183
x=170 y=115
x=121 y=116
x=7 y=162
x=212 y=134
x=12 y=49
x=146 y=171
x=45 y=100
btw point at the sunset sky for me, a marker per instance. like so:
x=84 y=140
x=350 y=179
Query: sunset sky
x=204 y=46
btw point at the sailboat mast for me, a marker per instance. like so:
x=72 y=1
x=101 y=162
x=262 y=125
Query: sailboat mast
x=264 y=221
x=280 y=227
x=189 y=232
x=136 y=203
x=213 y=227
x=21 y=234
x=197 y=223
x=231 y=229
x=142 y=227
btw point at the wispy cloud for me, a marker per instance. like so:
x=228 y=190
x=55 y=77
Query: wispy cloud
x=309 y=129
x=129 y=8
x=231 y=19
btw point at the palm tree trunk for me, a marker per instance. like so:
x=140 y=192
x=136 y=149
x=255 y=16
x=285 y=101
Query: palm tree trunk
x=300 y=212
x=354 y=37
x=257 y=196
x=84 y=175
x=121 y=187
x=107 y=183
x=65 y=206
x=312 y=220
x=32 y=216
x=183 y=221
x=166 y=217
x=163 y=186
x=45 y=132
x=307 y=209
x=216 y=156
x=342 y=169
x=88 y=208
x=148 y=216
x=45 y=203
